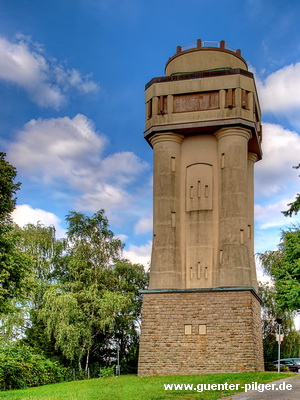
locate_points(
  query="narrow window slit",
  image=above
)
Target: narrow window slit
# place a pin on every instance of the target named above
(242, 236)
(199, 189)
(223, 160)
(173, 219)
(249, 232)
(173, 164)
(221, 256)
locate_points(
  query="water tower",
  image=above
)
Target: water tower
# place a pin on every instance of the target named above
(201, 313)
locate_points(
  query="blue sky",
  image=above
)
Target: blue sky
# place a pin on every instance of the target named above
(72, 77)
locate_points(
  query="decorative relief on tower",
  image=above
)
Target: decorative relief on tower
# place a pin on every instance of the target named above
(199, 261)
(199, 187)
(196, 102)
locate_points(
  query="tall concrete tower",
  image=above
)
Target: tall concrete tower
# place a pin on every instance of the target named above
(201, 313)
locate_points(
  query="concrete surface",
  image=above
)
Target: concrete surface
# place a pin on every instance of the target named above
(275, 394)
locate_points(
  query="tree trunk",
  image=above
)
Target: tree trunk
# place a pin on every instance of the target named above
(87, 362)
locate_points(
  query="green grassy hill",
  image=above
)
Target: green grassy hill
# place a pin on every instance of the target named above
(131, 387)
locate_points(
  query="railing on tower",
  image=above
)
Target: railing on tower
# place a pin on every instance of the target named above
(206, 43)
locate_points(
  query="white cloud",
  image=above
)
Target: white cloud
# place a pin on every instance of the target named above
(121, 167)
(261, 276)
(122, 237)
(104, 196)
(57, 148)
(270, 215)
(25, 64)
(279, 92)
(68, 152)
(275, 172)
(276, 184)
(25, 214)
(144, 225)
(139, 254)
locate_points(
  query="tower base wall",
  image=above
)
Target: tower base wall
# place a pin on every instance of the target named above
(199, 332)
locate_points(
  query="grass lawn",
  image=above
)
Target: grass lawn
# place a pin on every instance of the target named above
(131, 387)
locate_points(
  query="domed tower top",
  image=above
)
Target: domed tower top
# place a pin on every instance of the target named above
(204, 56)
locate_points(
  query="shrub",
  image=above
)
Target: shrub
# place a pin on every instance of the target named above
(20, 367)
(106, 372)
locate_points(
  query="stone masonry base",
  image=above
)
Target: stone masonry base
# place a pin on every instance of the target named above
(197, 332)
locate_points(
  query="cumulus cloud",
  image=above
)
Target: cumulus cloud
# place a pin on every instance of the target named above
(276, 184)
(25, 214)
(104, 196)
(279, 92)
(46, 81)
(122, 237)
(270, 215)
(144, 225)
(261, 276)
(281, 148)
(139, 254)
(58, 148)
(69, 153)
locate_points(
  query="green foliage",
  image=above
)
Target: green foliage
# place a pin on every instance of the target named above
(15, 270)
(128, 278)
(283, 265)
(93, 244)
(82, 300)
(8, 187)
(48, 256)
(15, 266)
(20, 367)
(40, 243)
(96, 298)
(73, 319)
(13, 324)
(270, 312)
(106, 372)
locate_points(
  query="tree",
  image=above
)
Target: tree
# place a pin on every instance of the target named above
(8, 188)
(75, 318)
(270, 312)
(15, 266)
(84, 303)
(47, 254)
(295, 205)
(84, 299)
(283, 265)
(48, 257)
(128, 278)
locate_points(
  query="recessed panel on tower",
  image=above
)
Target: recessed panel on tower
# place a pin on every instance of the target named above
(199, 187)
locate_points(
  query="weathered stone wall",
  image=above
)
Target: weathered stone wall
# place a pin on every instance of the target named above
(225, 333)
